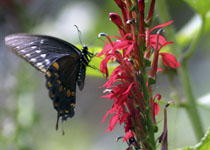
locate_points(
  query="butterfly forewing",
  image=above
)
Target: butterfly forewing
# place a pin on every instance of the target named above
(40, 51)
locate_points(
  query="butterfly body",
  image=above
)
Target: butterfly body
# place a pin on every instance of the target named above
(64, 66)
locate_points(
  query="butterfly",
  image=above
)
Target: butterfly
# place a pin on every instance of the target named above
(63, 64)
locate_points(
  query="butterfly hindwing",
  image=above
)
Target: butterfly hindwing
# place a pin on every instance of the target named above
(61, 82)
(39, 50)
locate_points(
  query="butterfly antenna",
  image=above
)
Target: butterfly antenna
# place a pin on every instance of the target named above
(79, 34)
(95, 68)
(99, 37)
(92, 41)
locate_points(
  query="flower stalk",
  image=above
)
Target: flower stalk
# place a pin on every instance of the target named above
(136, 51)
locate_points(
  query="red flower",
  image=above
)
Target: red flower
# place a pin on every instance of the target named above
(156, 105)
(116, 19)
(129, 84)
(157, 41)
(169, 60)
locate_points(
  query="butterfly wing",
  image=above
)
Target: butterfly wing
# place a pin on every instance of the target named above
(59, 60)
(39, 50)
(61, 82)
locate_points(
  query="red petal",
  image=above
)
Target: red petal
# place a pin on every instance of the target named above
(129, 50)
(113, 122)
(169, 60)
(111, 111)
(161, 25)
(103, 65)
(157, 96)
(166, 43)
(160, 69)
(128, 89)
(157, 108)
(124, 117)
(127, 136)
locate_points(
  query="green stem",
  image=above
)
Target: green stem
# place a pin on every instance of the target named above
(149, 142)
(183, 72)
(191, 108)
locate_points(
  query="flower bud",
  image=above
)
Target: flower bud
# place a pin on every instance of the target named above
(116, 19)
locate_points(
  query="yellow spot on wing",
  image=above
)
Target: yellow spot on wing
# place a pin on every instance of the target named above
(55, 65)
(56, 74)
(58, 81)
(72, 105)
(60, 88)
(52, 95)
(72, 94)
(48, 74)
(56, 105)
(68, 93)
(49, 84)
(43, 70)
(66, 111)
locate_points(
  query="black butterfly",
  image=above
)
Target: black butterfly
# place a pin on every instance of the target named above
(64, 66)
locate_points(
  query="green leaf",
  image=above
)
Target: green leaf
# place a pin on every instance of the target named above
(200, 6)
(203, 145)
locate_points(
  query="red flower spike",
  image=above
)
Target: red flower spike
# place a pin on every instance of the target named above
(116, 19)
(169, 60)
(127, 82)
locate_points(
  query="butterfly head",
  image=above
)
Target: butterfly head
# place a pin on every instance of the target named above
(86, 55)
